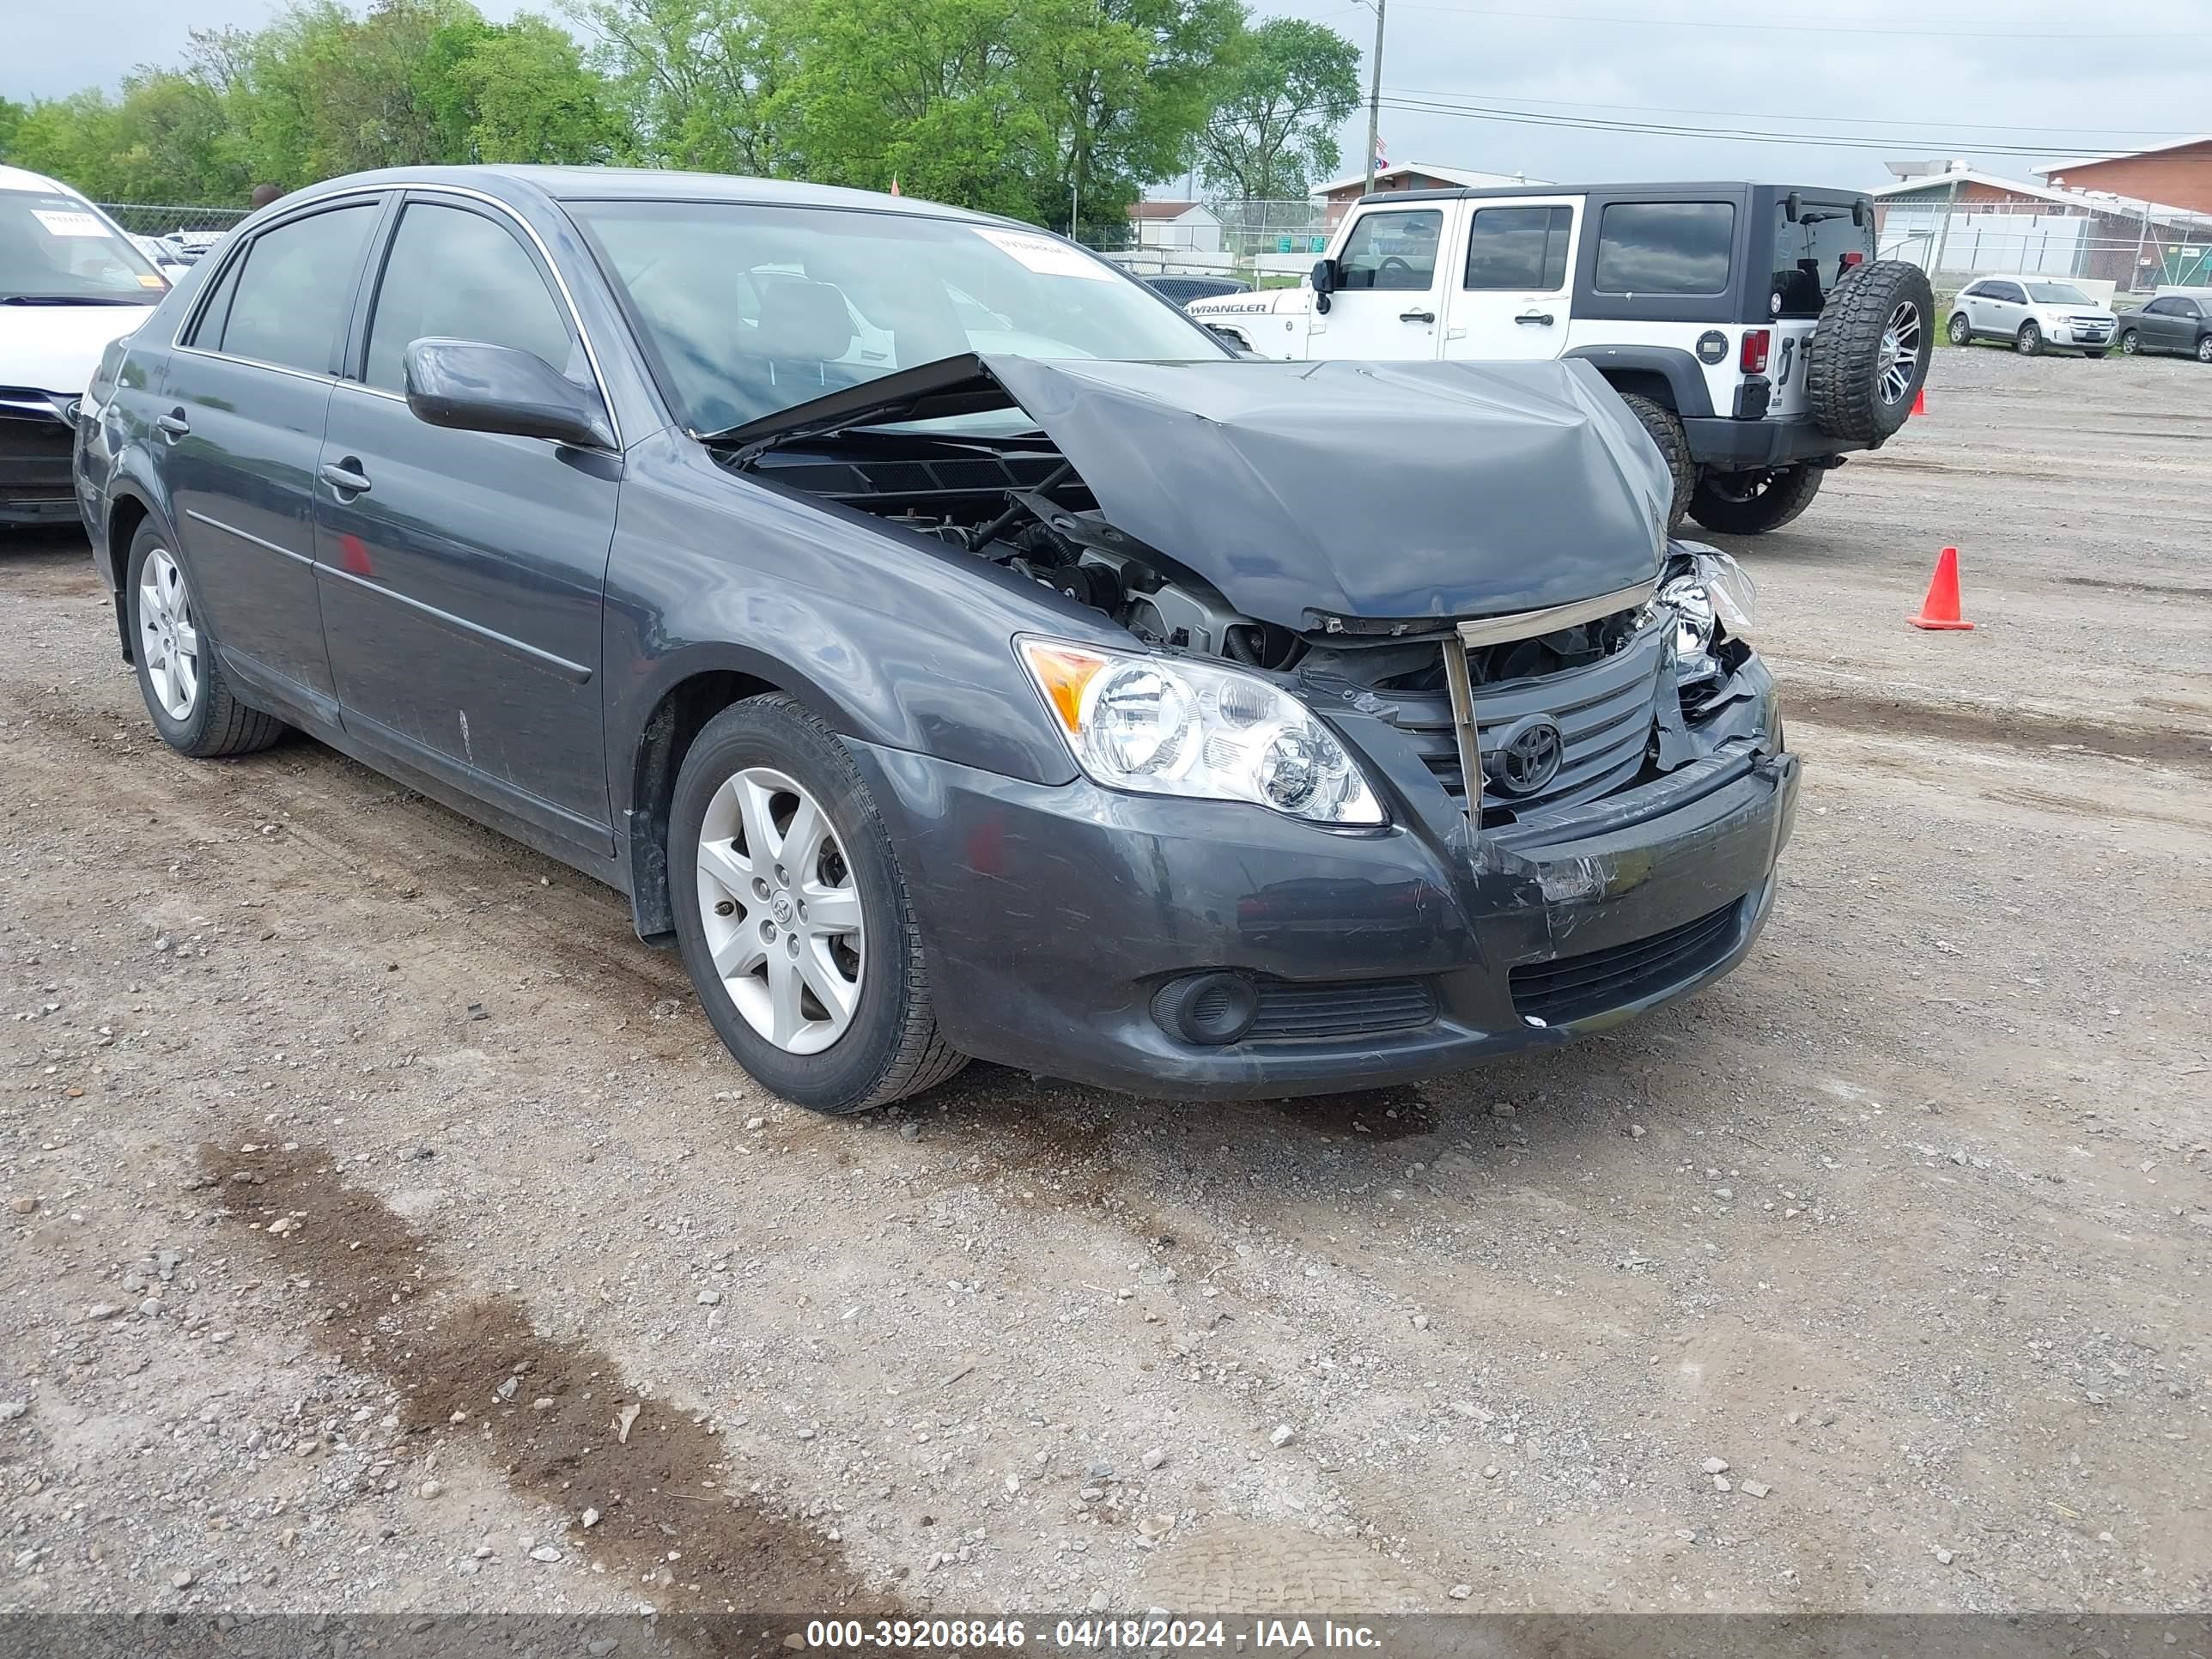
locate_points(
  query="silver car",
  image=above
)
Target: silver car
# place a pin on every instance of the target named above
(2032, 314)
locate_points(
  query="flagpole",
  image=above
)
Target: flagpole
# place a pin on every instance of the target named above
(1374, 99)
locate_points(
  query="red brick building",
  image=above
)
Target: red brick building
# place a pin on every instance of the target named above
(2179, 173)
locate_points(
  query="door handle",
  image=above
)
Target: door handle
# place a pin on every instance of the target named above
(173, 425)
(1536, 318)
(345, 477)
(1417, 316)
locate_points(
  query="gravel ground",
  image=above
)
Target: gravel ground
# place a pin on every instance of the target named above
(387, 1231)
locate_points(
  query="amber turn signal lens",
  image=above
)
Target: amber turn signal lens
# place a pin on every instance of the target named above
(1063, 672)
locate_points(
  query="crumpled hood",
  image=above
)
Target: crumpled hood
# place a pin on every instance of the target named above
(1375, 490)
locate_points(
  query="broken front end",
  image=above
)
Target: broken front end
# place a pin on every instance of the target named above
(1524, 773)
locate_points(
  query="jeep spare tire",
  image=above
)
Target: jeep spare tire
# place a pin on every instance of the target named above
(1869, 356)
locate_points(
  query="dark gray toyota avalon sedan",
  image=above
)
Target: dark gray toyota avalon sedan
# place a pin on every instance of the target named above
(943, 641)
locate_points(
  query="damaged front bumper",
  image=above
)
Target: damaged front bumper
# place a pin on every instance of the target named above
(1065, 922)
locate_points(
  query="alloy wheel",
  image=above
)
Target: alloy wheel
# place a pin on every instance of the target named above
(1900, 352)
(2129, 344)
(1961, 330)
(169, 637)
(780, 912)
(2030, 340)
(2204, 349)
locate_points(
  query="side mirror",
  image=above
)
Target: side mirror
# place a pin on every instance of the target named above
(1324, 283)
(488, 388)
(1793, 207)
(1862, 213)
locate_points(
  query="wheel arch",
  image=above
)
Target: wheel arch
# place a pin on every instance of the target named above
(1666, 375)
(129, 508)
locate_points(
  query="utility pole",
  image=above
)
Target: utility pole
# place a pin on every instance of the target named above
(1374, 99)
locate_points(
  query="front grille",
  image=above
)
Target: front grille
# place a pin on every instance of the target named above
(1604, 712)
(1339, 1008)
(34, 449)
(1568, 988)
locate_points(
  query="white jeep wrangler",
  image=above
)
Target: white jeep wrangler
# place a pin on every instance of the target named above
(1749, 327)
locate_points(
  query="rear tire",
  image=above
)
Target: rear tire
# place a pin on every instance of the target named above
(869, 1036)
(1869, 354)
(179, 667)
(1666, 429)
(2029, 340)
(1961, 331)
(1754, 503)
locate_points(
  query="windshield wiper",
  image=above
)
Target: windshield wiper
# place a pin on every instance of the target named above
(71, 300)
(959, 384)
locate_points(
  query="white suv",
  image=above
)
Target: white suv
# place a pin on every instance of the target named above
(2032, 314)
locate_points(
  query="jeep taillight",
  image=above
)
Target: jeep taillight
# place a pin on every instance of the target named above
(1752, 359)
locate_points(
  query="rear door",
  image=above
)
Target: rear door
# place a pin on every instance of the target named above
(241, 410)
(1389, 300)
(1515, 284)
(2003, 308)
(462, 572)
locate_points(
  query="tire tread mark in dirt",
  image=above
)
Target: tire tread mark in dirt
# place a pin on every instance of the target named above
(1964, 723)
(389, 1307)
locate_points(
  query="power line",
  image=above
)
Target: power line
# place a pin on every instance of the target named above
(1770, 115)
(1732, 24)
(1667, 129)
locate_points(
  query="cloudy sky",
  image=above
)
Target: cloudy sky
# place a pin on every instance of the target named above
(1511, 85)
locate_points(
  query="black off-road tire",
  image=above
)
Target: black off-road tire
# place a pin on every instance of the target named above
(218, 724)
(892, 1048)
(1845, 377)
(1666, 429)
(1752, 503)
(1960, 329)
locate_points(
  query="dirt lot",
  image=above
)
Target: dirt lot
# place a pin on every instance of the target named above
(388, 1231)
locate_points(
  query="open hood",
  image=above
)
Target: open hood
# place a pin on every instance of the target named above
(1312, 491)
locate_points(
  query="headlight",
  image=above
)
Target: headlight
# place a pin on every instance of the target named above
(1708, 591)
(1693, 608)
(1161, 726)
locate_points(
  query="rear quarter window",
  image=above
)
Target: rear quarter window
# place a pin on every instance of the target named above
(1664, 247)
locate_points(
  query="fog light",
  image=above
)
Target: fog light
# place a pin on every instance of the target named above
(1208, 1008)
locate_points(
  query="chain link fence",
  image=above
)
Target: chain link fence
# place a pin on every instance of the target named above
(2134, 246)
(150, 219)
(1253, 241)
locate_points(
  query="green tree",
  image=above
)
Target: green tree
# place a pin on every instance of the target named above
(11, 118)
(533, 99)
(701, 81)
(1286, 92)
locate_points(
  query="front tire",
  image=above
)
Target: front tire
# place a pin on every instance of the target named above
(2204, 349)
(2130, 344)
(1666, 429)
(1754, 503)
(2095, 357)
(2029, 340)
(1961, 331)
(179, 669)
(793, 916)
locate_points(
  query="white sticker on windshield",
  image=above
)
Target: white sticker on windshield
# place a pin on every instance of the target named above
(62, 223)
(1044, 255)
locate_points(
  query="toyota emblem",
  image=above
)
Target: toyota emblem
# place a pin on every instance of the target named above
(1527, 756)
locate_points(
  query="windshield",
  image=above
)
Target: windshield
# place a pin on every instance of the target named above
(54, 249)
(2057, 294)
(751, 310)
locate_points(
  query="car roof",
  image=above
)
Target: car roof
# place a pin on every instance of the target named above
(1729, 186)
(23, 178)
(578, 184)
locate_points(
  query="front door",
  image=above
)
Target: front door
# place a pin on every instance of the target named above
(241, 410)
(462, 572)
(1515, 285)
(1390, 299)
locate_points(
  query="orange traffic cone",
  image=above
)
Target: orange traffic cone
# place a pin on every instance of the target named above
(1940, 610)
(1920, 401)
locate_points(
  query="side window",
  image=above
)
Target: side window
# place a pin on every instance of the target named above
(2010, 293)
(207, 333)
(1665, 247)
(458, 274)
(1395, 250)
(295, 288)
(1519, 247)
